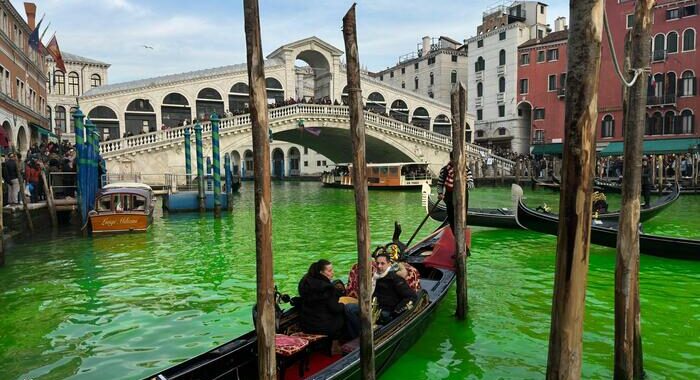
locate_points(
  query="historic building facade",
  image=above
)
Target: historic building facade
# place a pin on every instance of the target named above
(493, 70)
(22, 82)
(672, 100)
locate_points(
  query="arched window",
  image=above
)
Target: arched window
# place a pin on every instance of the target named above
(688, 84)
(502, 131)
(73, 84)
(479, 65)
(453, 77)
(689, 40)
(659, 43)
(502, 84)
(59, 80)
(669, 123)
(671, 85)
(687, 121)
(60, 118)
(658, 84)
(421, 118)
(415, 82)
(479, 90)
(657, 123)
(376, 103)
(95, 80)
(71, 121)
(274, 90)
(672, 42)
(48, 112)
(502, 57)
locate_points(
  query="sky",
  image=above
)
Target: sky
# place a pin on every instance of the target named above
(200, 34)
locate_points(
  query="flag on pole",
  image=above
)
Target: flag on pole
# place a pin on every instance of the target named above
(34, 39)
(55, 52)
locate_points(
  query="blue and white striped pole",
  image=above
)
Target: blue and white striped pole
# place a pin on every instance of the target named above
(217, 164)
(200, 166)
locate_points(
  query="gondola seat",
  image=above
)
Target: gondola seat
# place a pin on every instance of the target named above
(352, 289)
(412, 277)
(289, 350)
(316, 341)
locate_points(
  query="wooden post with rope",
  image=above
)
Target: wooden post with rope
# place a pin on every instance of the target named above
(566, 334)
(628, 347)
(359, 180)
(459, 106)
(265, 318)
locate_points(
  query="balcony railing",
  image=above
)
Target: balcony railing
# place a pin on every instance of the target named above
(538, 140)
(561, 92)
(501, 97)
(479, 75)
(501, 69)
(479, 101)
(658, 55)
(669, 99)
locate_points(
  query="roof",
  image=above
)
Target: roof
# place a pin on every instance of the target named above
(551, 37)
(174, 78)
(70, 57)
(448, 39)
(119, 185)
(661, 146)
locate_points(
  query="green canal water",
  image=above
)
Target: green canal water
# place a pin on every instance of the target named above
(122, 307)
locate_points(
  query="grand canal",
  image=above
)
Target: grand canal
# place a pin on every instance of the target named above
(121, 307)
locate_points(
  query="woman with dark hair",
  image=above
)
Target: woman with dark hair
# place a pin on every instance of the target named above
(321, 313)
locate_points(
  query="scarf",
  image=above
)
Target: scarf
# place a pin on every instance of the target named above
(376, 276)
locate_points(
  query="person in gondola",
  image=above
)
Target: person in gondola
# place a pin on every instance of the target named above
(445, 186)
(393, 293)
(321, 313)
(646, 182)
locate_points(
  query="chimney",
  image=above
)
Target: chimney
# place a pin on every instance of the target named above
(30, 9)
(426, 45)
(560, 24)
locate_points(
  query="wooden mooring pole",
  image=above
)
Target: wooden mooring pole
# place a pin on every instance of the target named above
(565, 339)
(2, 227)
(459, 106)
(359, 179)
(48, 192)
(628, 340)
(25, 198)
(265, 318)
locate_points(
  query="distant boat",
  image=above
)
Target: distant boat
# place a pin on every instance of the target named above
(505, 217)
(389, 176)
(122, 207)
(605, 233)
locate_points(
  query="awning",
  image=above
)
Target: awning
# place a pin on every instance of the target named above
(555, 148)
(663, 146)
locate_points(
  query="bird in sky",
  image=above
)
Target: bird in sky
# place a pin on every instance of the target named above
(147, 47)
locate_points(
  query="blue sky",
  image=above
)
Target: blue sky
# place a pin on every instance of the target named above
(192, 35)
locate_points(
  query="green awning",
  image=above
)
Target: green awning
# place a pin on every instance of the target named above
(548, 149)
(654, 146)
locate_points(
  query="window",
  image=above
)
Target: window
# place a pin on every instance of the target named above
(60, 118)
(689, 40)
(687, 121)
(540, 33)
(539, 114)
(454, 58)
(71, 120)
(432, 79)
(391, 74)
(501, 57)
(525, 59)
(479, 65)
(415, 65)
(552, 54)
(306, 150)
(673, 14)
(59, 80)
(501, 84)
(95, 80)
(630, 20)
(318, 163)
(431, 60)
(501, 110)
(415, 82)
(690, 10)
(672, 42)
(523, 86)
(607, 128)
(73, 84)
(431, 94)
(403, 84)
(403, 70)
(539, 136)
(381, 77)
(540, 56)
(502, 35)
(480, 133)
(306, 163)
(688, 85)
(453, 76)
(552, 83)
(541, 9)
(562, 81)
(479, 90)
(479, 114)
(480, 43)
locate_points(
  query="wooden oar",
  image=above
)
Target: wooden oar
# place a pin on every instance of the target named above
(422, 223)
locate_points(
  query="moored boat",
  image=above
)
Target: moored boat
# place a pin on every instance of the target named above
(389, 176)
(122, 207)
(505, 217)
(605, 233)
(237, 358)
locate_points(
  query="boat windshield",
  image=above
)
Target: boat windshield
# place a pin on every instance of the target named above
(139, 203)
(104, 204)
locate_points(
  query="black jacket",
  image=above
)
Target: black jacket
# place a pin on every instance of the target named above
(10, 171)
(393, 292)
(646, 176)
(321, 313)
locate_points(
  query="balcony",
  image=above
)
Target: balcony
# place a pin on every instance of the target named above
(479, 75)
(561, 92)
(479, 101)
(658, 56)
(501, 69)
(501, 98)
(538, 140)
(662, 100)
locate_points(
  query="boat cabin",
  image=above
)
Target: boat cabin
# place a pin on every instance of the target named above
(122, 207)
(382, 176)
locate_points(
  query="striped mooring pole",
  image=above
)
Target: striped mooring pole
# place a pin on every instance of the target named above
(188, 156)
(229, 181)
(217, 164)
(200, 166)
(79, 157)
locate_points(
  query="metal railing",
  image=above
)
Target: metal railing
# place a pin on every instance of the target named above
(63, 184)
(668, 99)
(658, 55)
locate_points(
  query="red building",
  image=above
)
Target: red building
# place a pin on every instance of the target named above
(672, 101)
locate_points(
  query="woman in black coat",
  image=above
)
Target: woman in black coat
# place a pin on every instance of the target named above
(321, 313)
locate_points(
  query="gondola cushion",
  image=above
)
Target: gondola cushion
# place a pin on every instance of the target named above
(412, 277)
(352, 289)
(286, 345)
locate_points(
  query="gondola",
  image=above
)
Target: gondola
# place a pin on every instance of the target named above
(505, 218)
(605, 233)
(237, 358)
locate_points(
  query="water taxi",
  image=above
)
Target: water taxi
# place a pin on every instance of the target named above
(122, 207)
(388, 176)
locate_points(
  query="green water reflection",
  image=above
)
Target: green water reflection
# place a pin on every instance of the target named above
(124, 306)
